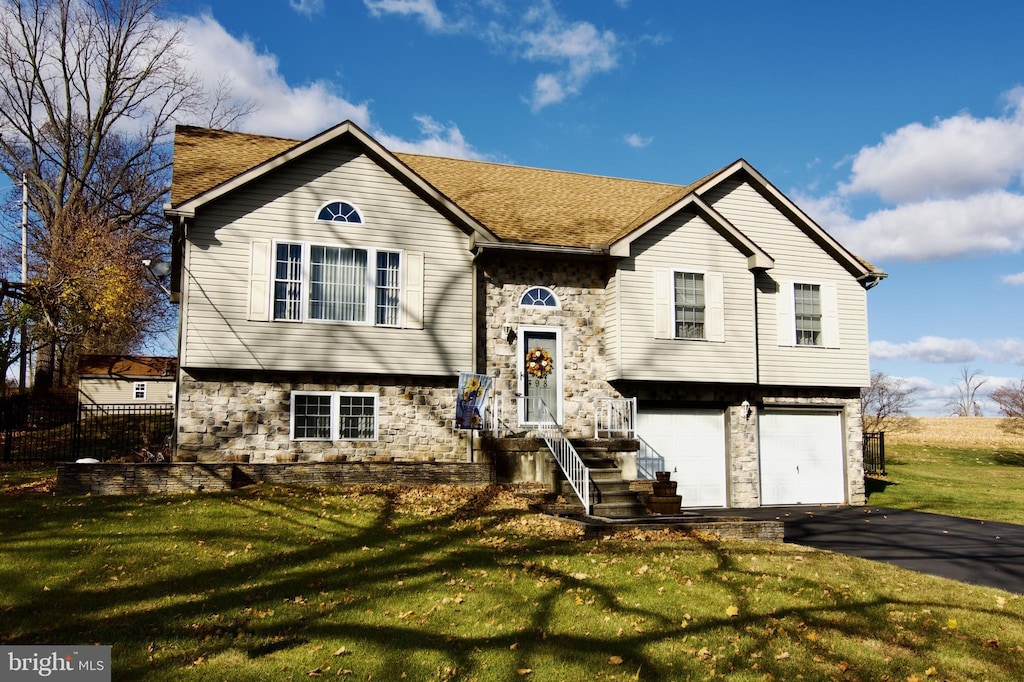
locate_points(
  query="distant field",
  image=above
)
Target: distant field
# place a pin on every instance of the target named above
(956, 431)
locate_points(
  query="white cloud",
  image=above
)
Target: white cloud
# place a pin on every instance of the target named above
(1016, 280)
(954, 187)
(580, 48)
(436, 139)
(937, 349)
(425, 10)
(284, 110)
(309, 8)
(934, 229)
(955, 157)
(637, 141)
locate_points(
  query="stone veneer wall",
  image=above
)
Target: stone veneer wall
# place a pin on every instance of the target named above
(580, 287)
(129, 479)
(232, 416)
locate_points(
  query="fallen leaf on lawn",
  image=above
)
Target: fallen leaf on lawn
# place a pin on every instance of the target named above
(615, 660)
(406, 614)
(951, 623)
(1000, 602)
(931, 672)
(524, 671)
(732, 611)
(991, 644)
(341, 652)
(513, 646)
(783, 656)
(684, 624)
(844, 666)
(813, 636)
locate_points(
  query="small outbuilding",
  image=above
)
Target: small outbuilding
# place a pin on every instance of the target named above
(126, 380)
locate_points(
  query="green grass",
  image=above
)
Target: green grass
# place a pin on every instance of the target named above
(441, 583)
(979, 483)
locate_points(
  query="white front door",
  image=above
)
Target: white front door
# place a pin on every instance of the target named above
(540, 373)
(693, 445)
(801, 458)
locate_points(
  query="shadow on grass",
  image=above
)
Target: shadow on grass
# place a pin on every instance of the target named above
(874, 485)
(1008, 458)
(293, 568)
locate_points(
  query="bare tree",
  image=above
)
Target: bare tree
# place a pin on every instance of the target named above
(1011, 405)
(89, 94)
(966, 403)
(886, 403)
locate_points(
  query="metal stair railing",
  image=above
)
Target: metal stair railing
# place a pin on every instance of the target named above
(648, 460)
(576, 472)
(614, 415)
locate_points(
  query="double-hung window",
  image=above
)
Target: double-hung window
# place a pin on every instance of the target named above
(689, 305)
(807, 314)
(336, 284)
(139, 390)
(322, 415)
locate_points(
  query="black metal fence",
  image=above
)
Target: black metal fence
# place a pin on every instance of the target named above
(53, 431)
(874, 453)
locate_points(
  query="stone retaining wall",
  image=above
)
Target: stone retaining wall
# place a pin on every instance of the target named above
(180, 477)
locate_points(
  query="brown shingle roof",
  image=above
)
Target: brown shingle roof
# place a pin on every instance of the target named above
(126, 366)
(518, 204)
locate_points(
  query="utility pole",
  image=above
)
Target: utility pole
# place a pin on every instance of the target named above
(23, 364)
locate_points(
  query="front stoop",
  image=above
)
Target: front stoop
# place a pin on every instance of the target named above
(611, 496)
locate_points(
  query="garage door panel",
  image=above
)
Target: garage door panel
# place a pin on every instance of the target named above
(801, 456)
(693, 445)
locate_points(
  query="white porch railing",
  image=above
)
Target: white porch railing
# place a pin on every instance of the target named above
(615, 417)
(565, 454)
(648, 460)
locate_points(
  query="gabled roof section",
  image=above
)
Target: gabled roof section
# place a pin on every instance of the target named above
(502, 205)
(217, 187)
(866, 273)
(127, 367)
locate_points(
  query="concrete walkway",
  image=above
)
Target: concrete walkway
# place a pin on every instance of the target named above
(972, 551)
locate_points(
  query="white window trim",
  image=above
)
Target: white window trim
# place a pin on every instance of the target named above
(371, 283)
(665, 304)
(786, 313)
(335, 417)
(362, 216)
(135, 390)
(556, 306)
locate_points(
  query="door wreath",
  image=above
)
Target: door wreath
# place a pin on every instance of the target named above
(539, 364)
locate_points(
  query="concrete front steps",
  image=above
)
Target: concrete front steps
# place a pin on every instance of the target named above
(610, 496)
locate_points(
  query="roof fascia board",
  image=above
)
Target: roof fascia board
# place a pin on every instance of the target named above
(772, 194)
(391, 163)
(757, 258)
(540, 248)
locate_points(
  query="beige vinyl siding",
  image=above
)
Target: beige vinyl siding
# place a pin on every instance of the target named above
(107, 391)
(282, 205)
(612, 327)
(798, 258)
(688, 243)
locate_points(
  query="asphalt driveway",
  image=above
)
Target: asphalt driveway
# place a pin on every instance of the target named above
(972, 551)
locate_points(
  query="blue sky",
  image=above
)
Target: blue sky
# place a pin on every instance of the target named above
(899, 126)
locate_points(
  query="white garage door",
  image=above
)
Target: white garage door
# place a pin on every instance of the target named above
(801, 458)
(693, 445)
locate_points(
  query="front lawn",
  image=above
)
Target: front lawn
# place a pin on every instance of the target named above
(974, 482)
(441, 583)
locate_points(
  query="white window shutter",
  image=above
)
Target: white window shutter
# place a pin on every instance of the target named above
(259, 280)
(662, 304)
(830, 315)
(785, 313)
(412, 290)
(714, 308)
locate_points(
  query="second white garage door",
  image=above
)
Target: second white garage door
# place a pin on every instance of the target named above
(801, 458)
(693, 445)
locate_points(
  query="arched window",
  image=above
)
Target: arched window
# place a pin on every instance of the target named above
(340, 212)
(539, 297)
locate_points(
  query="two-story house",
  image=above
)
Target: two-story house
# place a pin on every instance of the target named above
(331, 291)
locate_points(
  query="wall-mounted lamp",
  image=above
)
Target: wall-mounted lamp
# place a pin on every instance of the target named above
(747, 409)
(158, 270)
(509, 332)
